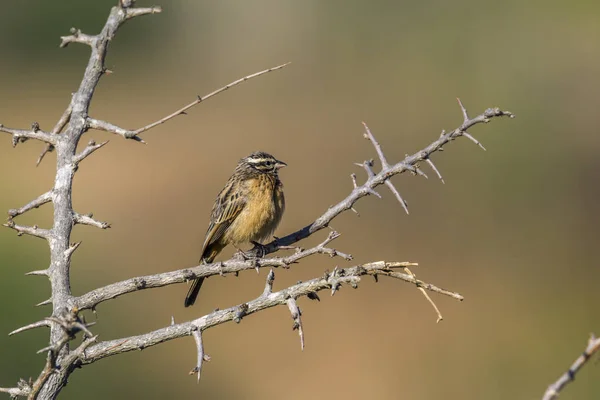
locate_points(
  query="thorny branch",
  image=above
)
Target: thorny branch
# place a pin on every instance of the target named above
(554, 389)
(65, 323)
(64, 138)
(410, 163)
(329, 281)
(93, 298)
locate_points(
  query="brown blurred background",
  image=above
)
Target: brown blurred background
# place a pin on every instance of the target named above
(514, 229)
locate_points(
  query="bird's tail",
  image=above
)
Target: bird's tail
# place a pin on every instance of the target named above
(208, 255)
(193, 292)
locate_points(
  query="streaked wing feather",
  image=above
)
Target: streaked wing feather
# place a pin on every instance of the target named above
(226, 209)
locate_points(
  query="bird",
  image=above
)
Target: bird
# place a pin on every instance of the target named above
(247, 210)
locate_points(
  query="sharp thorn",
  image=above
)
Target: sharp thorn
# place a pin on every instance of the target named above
(45, 302)
(43, 272)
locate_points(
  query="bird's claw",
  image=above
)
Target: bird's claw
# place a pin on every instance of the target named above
(259, 249)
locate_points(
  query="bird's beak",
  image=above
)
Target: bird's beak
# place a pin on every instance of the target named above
(280, 164)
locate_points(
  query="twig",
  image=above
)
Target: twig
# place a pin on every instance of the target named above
(297, 317)
(201, 355)
(77, 37)
(21, 135)
(139, 11)
(97, 124)
(90, 148)
(269, 283)
(200, 99)
(88, 220)
(368, 135)
(41, 200)
(554, 389)
(28, 230)
(439, 315)
(16, 391)
(64, 119)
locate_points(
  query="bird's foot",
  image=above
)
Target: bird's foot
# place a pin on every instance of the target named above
(259, 249)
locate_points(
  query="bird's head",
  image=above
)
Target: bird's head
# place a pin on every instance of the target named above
(263, 162)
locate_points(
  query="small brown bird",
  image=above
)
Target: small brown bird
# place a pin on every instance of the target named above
(247, 210)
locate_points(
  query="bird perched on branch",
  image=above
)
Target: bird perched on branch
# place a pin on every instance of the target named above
(247, 210)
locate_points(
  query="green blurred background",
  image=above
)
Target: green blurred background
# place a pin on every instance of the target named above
(514, 229)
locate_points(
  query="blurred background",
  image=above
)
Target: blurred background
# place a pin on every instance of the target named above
(514, 229)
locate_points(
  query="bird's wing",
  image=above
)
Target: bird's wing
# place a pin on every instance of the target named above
(225, 210)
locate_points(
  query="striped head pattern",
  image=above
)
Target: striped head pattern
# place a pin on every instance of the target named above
(262, 162)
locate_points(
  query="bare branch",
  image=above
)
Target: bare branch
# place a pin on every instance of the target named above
(439, 315)
(201, 355)
(65, 322)
(28, 230)
(463, 110)
(41, 200)
(374, 180)
(88, 220)
(139, 11)
(60, 125)
(296, 316)
(554, 389)
(90, 148)
(69, 251)
(50, 384)
(427, 286)
(338, 277)
(22, 135)
(199, 100)
(354, 184)
(63, 369)
(369, 136)
(16, 392)
(269, 284)
(108, 127)
(97, 296)
(64, 118)
(77, 36)
(129, 134)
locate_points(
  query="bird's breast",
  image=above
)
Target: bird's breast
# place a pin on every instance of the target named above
(262, 213)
